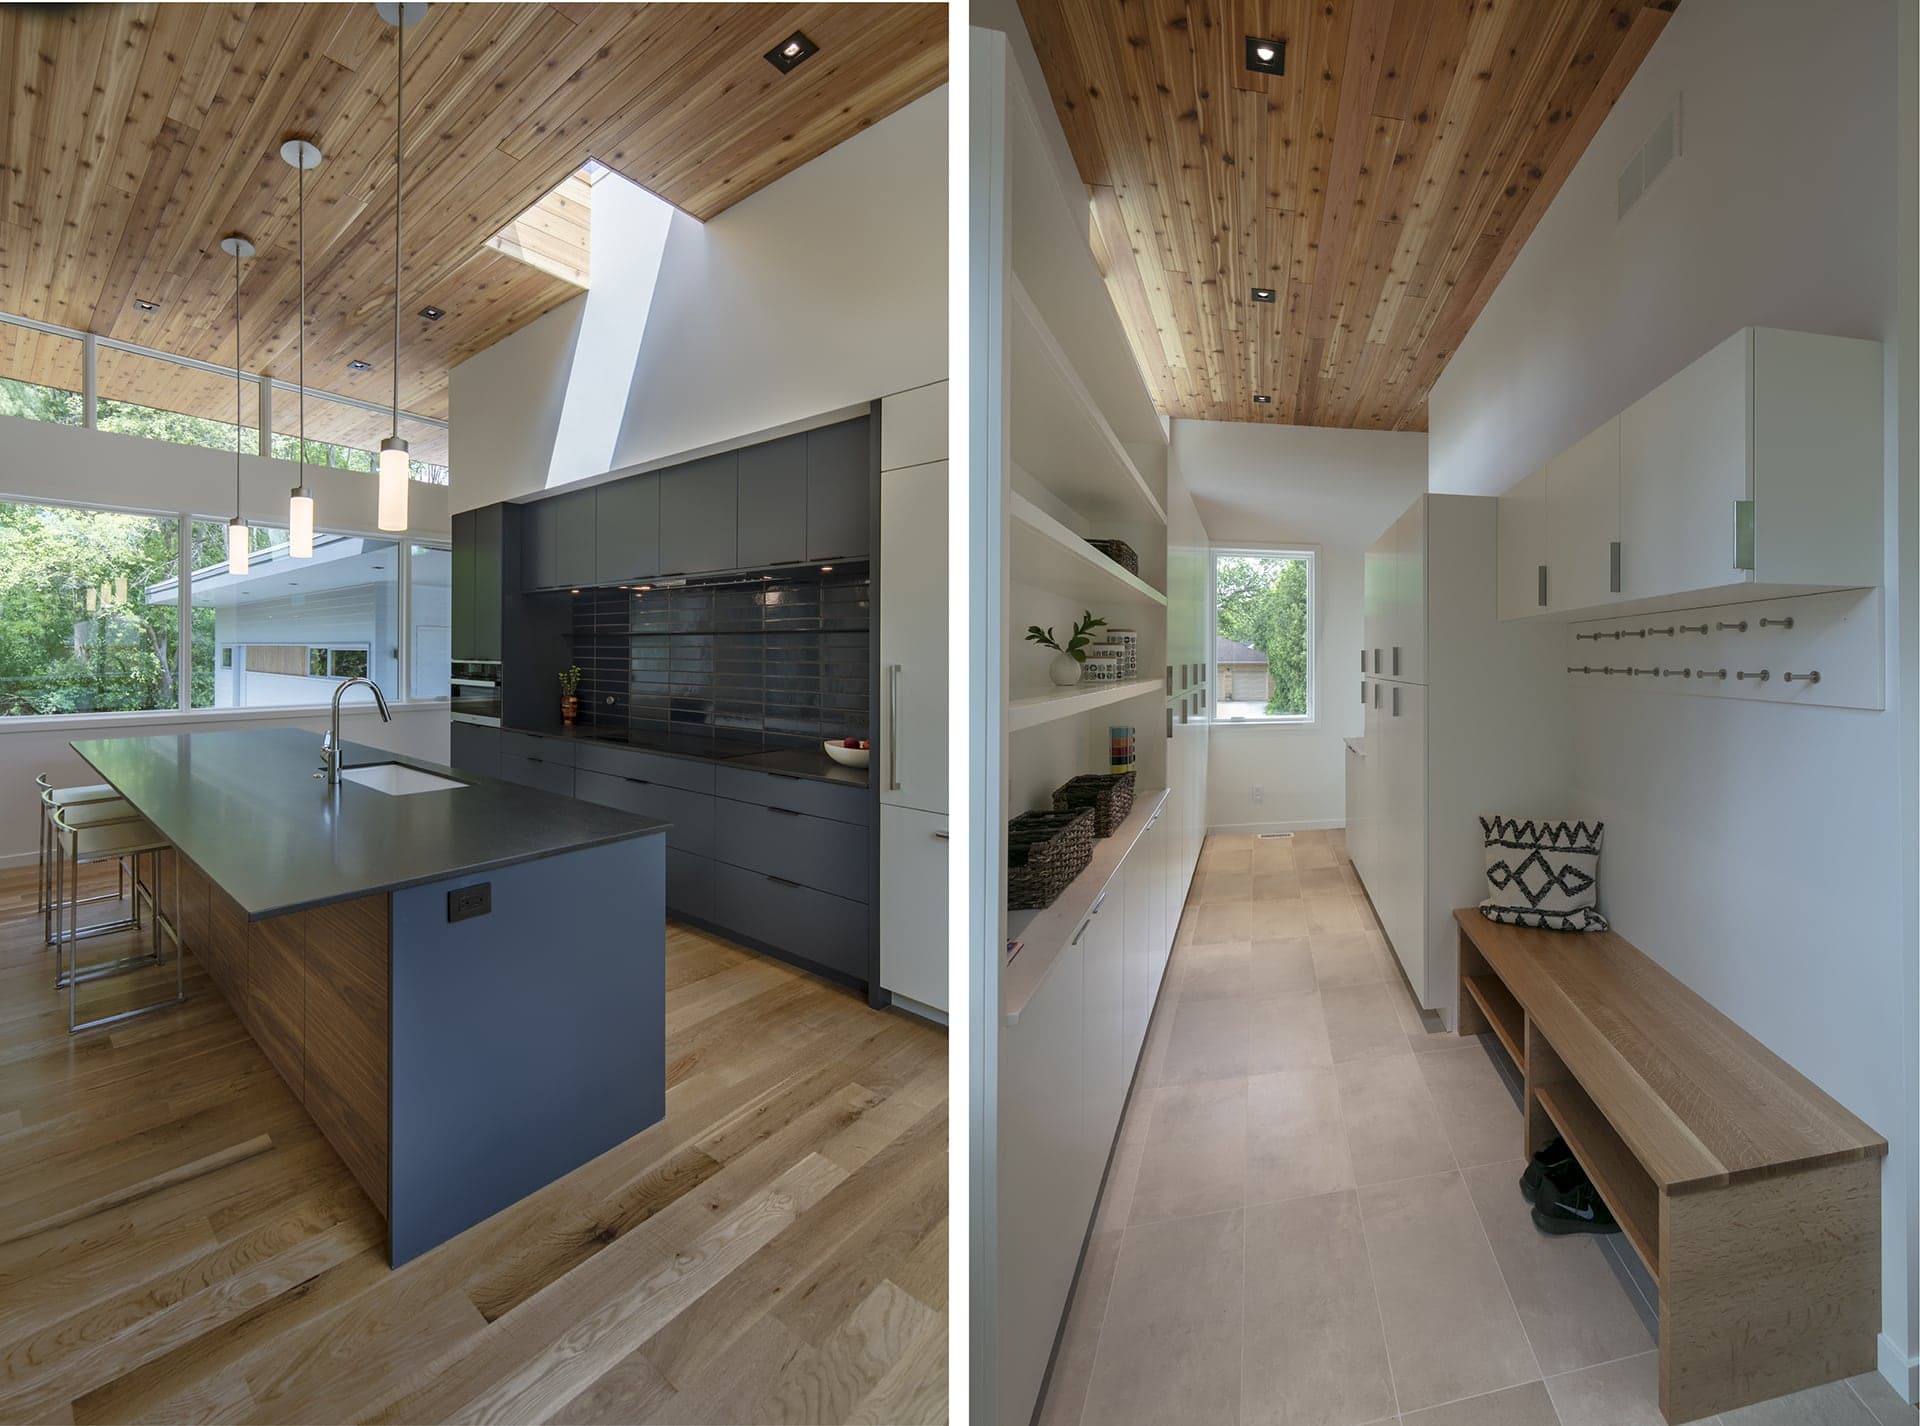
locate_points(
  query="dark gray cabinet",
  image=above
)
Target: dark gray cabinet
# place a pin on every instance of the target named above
(539, 544)
(699, 516)
(557, 542)
(474, 749)
(773, 503)
(533, 772)
(806, 851)
(839, 491)
(691, 813)
(478, 586)
(828, 930)
(464, 597)
(627, 530)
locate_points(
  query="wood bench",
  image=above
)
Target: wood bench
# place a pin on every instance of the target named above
(1752, 1197)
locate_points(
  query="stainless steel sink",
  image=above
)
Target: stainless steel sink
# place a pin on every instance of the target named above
(397, 779)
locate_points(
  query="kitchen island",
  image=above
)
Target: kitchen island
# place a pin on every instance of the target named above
(463, 980)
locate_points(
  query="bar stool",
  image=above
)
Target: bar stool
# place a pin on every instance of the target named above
(50, 798)
(78, 845)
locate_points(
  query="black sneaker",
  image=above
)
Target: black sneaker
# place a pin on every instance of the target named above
(1555, 1162)
(1577, 1208)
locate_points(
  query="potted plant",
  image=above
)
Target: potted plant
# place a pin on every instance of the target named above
(1068, 660)
(570, 695)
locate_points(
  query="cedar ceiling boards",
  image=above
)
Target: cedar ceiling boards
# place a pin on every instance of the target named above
(136, 136)
(1382, 185)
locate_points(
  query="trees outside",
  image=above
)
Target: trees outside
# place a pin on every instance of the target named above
(1262, 602)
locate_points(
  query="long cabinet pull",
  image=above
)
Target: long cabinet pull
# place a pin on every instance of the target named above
(1396, 661)
(1613, 568)
(893, 727)
(1396, 700)
(940, 836)
(1543, 586)
(1094, 910)
(1081, 932)
(786, 812)
(783, 881)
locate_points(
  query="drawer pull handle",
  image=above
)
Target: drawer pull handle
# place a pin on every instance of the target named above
(637, 781)
(782, 881)
(1081, 932)
(940, 836)
(786, 811)
(1094, 910)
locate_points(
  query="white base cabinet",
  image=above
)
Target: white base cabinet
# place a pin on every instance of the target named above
(913, 904)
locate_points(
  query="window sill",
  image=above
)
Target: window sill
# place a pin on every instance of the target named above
(89, 722)
(1294, 725)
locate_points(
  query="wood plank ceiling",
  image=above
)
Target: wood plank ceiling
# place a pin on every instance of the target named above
(136, 136)
(1382, 186)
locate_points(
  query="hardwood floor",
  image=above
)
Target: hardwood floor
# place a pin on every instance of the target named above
(178, 1242)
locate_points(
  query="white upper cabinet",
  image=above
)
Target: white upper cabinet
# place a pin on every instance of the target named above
(1583, 521)
(1407, 643)
(1755, 472)
(1522, 544)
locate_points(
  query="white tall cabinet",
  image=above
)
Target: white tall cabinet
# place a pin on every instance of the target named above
(1463, 716)
(1066, 447)
(910, 753)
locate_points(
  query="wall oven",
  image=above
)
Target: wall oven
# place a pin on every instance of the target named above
(476, 692)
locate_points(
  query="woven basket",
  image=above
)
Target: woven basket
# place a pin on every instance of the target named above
(1045, 852)
(1120, 552)
(1110, 795)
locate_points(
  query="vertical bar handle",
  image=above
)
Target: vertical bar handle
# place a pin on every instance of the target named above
(893, 727)
(1743, 534)
(1396, 700)
(1396, 661)
(1613, 567)
(1543, 586)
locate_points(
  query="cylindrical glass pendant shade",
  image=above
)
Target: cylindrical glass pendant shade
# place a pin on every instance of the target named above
(237, 538)
(393, 483)
(300, 524)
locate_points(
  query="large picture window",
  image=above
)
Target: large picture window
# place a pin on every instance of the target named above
(1263, 603)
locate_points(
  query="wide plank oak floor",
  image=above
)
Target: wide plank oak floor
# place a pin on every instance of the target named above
(177, 1242)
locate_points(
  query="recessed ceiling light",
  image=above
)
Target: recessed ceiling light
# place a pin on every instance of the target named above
(1264, 400)
(146, 306)
(432, 314)
(358, 366)
(791, 51)
(1264, 294)
(576, 591)
(826, 569)
(1266, 56)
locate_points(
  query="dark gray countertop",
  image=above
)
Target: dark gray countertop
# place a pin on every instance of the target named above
(246, 809)
(811, 762)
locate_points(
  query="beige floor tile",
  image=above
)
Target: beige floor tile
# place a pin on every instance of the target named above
(1476, 1108)
(1235, 859)
(1273, 854)
(1208, 1040)
(1284, 966)
(1286, 1032)
(1882, 1400)
(1211, 972)
(1274, 920)
(1451, 1328)
(1212, 888)
(1323, 881)
(1578, 1307)
(1351, 958)
(1392, 1131)
(1221, 921)
(1308, 854)
(1314, 1351)
(1831, 1405)
(1526, 1405)
(1361, 1021)
(1276, 885)
(1296, 1137)
(1336, 912)
(1195, 1157)
(1123, 1174)
(1073, 1359)
(1623, 1393)
(1171, 1346)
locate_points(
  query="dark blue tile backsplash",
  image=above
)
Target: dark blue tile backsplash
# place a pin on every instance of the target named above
(778, 663)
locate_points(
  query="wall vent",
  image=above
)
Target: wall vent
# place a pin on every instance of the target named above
(1651, 160)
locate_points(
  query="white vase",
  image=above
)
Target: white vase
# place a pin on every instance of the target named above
(1065, 670)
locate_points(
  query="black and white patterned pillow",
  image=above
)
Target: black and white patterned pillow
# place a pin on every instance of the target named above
(1543, 873)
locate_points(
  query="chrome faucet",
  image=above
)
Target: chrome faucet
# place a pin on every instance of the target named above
(330, 745)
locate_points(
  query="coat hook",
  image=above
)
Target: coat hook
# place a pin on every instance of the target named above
(1786, 623)
(1677, 672)
(1582, 669)
(1813, 677)
(1633, 633)
(1668, 631)
(1693, 628)
(1595, 637)
(1607, 670)
(1718, 673)
(1739, 628)
(1760, 677)
(1649, 672)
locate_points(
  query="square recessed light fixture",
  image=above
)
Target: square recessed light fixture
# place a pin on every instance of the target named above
(1266, 56)
(359, 366)
(786, 55)
(1263, 400)
(146, 306)
(432, 314)
(1264, 294)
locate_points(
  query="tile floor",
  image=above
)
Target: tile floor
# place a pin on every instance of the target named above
(1312, 1216)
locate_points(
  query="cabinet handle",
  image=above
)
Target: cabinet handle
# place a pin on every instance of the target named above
(1543, 586)
(1376, 695)
(1743, 534)
(1396, 661)
(783, 881)
(893, 727)
(1169, 680)
(1094, 910)
(1396, 701)
(940, 836)
(1169, 722)
(786, 811)
(1613, 568)
(1376, 659)
(1081, 932)
(637, 781)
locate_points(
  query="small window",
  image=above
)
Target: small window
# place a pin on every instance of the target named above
(317, 663)
(1263, 605)
(226, 656)
(349, 663)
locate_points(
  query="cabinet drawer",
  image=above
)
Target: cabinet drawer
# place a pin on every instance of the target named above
(530, 772)
(797, 794)
(690, 812)
(689, 884)
(643, 767)
(534, 746)
(816, 852)
(474, 748)
(827, 930)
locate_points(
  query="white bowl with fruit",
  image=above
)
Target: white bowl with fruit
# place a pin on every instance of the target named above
(849, 752)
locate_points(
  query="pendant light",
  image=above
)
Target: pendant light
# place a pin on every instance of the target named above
(236, 246)
(394, 461)
(301, 155)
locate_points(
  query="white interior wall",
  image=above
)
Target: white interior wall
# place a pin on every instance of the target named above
(818, 294)
(1336, 491)
(1759, 852)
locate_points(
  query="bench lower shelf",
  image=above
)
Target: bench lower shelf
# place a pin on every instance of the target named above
(1626, 1187)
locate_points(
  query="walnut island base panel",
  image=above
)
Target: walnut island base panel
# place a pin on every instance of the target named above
(1752, 1196)
(458, 1051)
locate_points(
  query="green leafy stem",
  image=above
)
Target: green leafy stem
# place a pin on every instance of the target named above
(1076, 646)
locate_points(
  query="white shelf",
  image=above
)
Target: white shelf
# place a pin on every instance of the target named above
(1059, 435)
(1038, 708)
(1049, 556)
(1044, 932)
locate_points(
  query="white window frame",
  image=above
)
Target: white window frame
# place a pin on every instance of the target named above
(1310, 554)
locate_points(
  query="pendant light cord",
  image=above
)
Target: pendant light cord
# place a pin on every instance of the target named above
(399, 120)
(303, 314)
(237, 399)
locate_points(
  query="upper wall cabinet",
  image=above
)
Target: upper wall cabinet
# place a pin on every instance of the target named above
(557, 542)
(840, 491)
(478, 582)
(773, 503)
(699, 516)
(627, 531)
(1755, 472)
